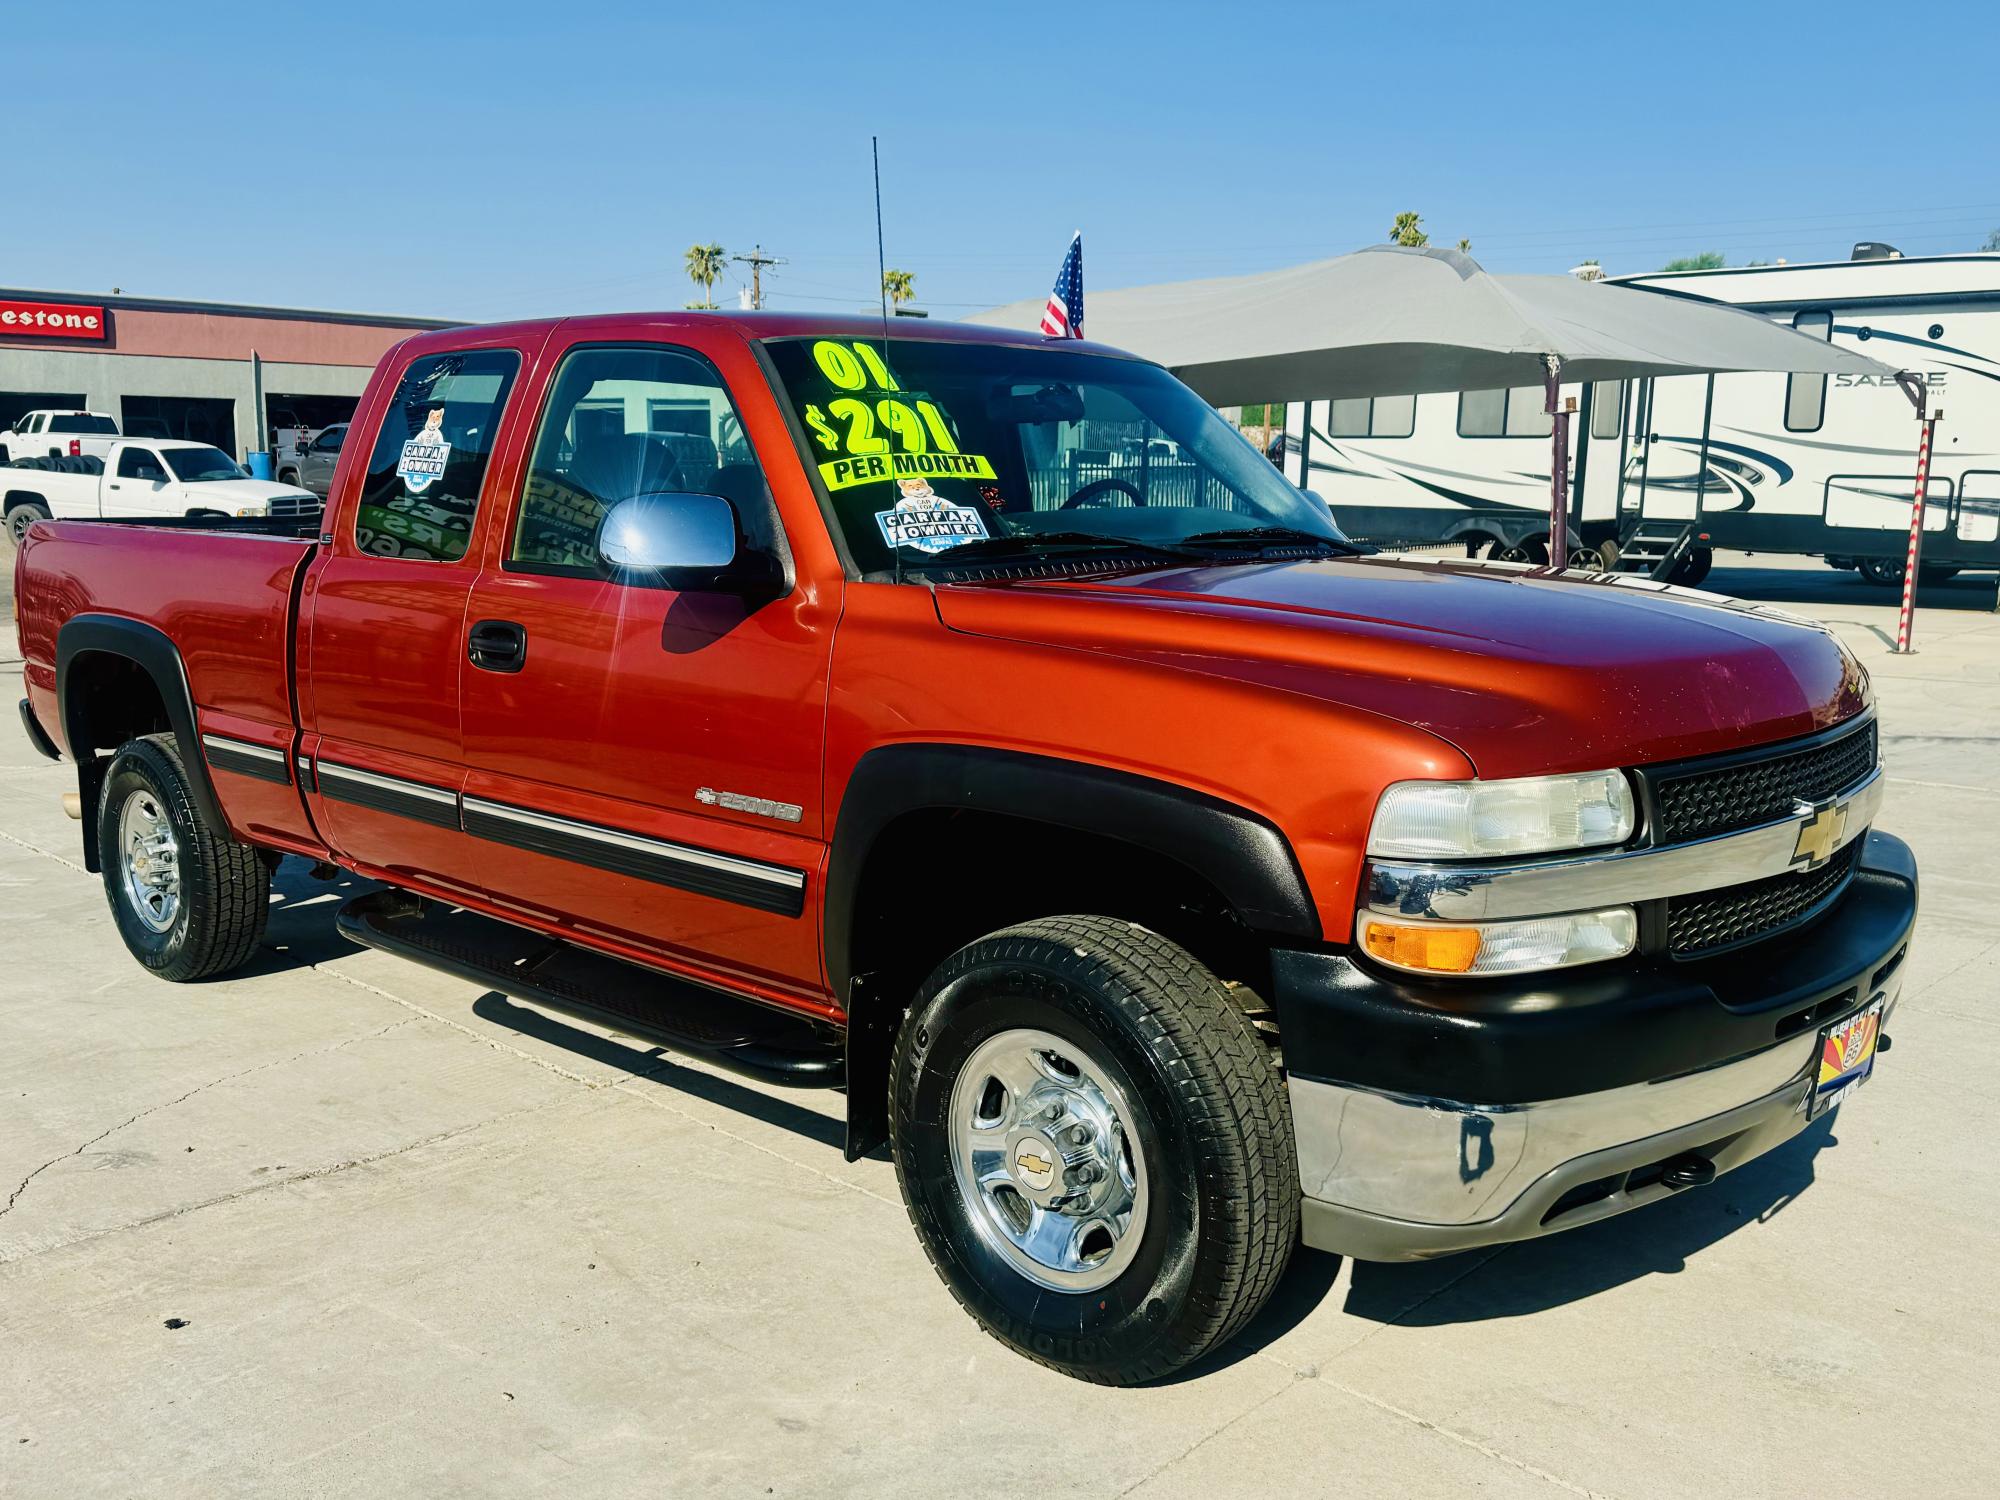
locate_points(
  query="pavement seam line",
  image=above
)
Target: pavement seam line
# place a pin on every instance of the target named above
(1187, 1452)
(1470, 1442)
(310, 1175)
(45, 853)
(15, 1196)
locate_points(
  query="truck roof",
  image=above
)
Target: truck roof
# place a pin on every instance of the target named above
(766, 325)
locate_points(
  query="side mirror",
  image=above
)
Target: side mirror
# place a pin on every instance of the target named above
(685, 539)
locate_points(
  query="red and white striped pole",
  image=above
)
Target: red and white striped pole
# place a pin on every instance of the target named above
(1905, 616)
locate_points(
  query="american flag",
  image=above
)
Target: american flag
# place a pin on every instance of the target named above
(1063, 317)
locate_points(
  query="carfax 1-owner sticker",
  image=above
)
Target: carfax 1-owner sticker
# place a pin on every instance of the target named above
(425, 455)
(927, 521)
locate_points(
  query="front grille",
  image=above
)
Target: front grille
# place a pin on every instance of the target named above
(1736, 914)
(1697, 804)
(297, 505)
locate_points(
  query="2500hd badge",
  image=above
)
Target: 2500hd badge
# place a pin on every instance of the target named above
(1114, 834)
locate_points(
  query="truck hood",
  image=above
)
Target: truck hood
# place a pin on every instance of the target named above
(229, 492)
(1523, 670)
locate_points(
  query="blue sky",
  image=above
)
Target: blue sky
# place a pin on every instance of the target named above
(507, 160)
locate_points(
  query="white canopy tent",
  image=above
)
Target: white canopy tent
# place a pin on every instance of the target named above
(1391, 320)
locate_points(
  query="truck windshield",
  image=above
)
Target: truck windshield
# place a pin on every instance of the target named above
(192, 465)
(84, 422)
(955, 454)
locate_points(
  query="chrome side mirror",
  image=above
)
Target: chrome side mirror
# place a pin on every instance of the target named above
(669, 533)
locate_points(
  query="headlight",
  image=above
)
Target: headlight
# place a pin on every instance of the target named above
(1495, 819)
(261, 508)
(1481, 948)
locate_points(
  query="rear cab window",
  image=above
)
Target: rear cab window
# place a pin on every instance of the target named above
(430, 456)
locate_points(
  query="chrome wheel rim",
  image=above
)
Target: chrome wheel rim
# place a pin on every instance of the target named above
(1042, 1147)
(151, 861)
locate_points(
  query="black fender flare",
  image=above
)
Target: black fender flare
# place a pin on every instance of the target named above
(1243, 855)
(153, 652)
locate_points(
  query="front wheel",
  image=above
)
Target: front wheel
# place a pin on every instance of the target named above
(190, 901)
(1094, 1146)
(20, 517)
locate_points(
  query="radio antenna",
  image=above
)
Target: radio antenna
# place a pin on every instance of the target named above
(882, 285)
(881, 257)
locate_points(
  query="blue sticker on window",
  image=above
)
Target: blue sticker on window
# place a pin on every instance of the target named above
(926, 521)
(425, 455)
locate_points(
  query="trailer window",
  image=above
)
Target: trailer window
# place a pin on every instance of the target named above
(430, 455)
(1516, 412)
(1805, 395)
(1372, 416)
(1607, 408)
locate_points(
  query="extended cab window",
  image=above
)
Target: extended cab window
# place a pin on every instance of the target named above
(625, 421)
(430, 456)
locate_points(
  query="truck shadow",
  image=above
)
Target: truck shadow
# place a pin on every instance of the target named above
(1576, 1264)
(1518, 1280)
(1781, 586)
(657, 1065)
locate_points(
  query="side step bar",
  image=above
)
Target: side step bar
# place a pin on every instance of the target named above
(651, 1006)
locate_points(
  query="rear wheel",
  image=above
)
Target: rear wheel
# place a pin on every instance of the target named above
(189, 900)
(1883, 572)
(21, 515)
(1094, 1146)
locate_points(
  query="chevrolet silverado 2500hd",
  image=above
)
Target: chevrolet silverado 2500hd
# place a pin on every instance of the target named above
(1162, 880)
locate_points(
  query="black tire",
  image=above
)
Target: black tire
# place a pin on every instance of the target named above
(288, 476)
(1209, 1118)
(1691, 569)
(1883, 572)
(224, 887)
(21, 515)
(1932, 573)
(1607, 554)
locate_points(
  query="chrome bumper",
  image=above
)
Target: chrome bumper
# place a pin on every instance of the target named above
(1397, 1177)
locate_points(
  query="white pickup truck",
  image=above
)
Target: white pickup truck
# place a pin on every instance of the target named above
(138, 480)
(47, 433)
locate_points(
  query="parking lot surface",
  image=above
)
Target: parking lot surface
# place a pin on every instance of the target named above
(344, 1226)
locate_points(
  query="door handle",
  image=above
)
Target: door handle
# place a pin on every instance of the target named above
(497, 646)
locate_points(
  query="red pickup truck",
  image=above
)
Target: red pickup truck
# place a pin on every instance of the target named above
(979, 725)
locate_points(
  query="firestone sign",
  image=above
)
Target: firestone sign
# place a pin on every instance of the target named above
(50, 320)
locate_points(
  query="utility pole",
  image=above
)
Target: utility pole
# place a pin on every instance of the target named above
(756, 260)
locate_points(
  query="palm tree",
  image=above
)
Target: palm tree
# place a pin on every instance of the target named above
(1408, 230)
(704, 263)
(900, 285)
(1465, 245)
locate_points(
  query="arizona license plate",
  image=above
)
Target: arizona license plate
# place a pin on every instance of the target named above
(1846, 1057)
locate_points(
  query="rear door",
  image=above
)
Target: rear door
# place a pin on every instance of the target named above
(644, 764)
(386, 613)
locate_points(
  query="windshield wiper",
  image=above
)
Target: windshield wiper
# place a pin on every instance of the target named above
(1283, 535)
(1016, 544)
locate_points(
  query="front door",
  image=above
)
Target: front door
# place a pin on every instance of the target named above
(387, 615)
(644, 763)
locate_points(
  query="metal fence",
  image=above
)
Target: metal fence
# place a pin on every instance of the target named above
(1166, 483)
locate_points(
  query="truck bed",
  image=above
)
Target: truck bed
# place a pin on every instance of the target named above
(222, 592)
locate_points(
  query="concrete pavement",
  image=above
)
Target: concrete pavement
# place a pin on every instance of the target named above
(343, 1226)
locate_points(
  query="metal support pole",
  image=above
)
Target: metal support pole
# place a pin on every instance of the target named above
(1558, 466)
(1906, 617)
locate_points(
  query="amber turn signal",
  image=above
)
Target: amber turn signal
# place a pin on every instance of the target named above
(1441, 950)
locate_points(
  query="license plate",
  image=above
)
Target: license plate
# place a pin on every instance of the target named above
(1846, 1057)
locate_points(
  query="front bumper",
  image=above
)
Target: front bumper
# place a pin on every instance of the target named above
(1437, 1117)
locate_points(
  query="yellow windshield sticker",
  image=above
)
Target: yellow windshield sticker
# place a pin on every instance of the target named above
(870, 468)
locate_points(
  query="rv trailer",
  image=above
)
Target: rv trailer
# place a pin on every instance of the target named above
(1665, 470)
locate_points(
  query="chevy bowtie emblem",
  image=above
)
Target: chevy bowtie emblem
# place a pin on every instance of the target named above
(1819, 834)
(1033, 1163)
